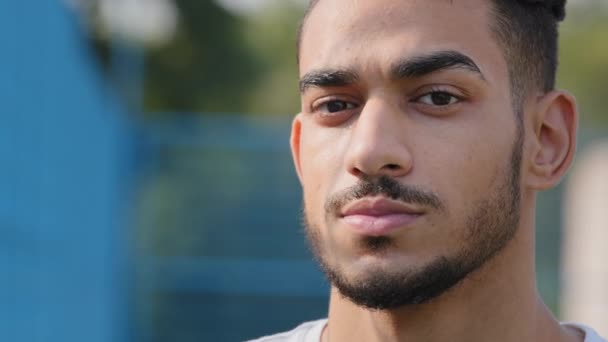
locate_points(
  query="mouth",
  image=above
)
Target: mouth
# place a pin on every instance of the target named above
(378, 216)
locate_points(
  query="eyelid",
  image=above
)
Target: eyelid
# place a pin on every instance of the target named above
(454, 98)
(316, 104)
(332, 119)
(459, 97)
(457, 92)
(440, 88)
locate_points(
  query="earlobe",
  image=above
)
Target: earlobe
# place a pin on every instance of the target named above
(555, 128)
(294, 141)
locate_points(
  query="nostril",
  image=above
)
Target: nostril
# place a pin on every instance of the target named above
(356, 172)
(392, 167)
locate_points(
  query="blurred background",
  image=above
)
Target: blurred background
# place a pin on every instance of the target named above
(147, 188)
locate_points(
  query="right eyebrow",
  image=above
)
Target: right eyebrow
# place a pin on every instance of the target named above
(327, 78)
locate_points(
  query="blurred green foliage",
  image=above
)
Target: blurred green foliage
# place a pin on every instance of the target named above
(207, 66)
(219, 62)
(584, 61)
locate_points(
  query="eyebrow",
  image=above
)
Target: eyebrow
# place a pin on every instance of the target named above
(411, 67)
(327, 78)
(426, 64)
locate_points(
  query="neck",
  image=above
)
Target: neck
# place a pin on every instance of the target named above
(498, 302)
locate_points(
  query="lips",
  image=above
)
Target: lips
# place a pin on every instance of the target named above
(378, 216)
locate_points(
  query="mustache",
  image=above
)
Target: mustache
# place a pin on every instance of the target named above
(385, 186)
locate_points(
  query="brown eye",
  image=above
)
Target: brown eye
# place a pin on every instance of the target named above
(336, 106)
(438, 98)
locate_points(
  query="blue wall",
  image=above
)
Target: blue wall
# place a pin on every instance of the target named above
(63, 170)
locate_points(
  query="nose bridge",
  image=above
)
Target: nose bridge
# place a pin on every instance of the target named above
(377, 145)
(371, 129)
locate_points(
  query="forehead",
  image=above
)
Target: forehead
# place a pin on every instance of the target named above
(345, 33)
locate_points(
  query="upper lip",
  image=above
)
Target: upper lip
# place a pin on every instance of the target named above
(378, 206)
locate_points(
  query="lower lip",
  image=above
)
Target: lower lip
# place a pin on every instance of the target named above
(378, 225)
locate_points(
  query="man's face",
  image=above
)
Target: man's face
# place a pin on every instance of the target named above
(407, 146)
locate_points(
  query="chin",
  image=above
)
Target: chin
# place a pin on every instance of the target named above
(390, 281)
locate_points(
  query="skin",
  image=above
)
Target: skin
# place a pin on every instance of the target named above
(392, 127)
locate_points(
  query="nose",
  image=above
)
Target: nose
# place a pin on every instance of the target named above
(378, 142)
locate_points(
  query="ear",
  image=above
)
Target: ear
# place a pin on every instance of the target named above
(554, 126)
(294, 141)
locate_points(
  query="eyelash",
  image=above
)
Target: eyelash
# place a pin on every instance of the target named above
(350, 105)
(438, 90)
(321, 106)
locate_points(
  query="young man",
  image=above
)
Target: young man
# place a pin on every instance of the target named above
(427, 129)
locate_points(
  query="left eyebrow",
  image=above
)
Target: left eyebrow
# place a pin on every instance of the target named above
(426, 64)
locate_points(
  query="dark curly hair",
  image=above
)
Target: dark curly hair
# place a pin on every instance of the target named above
(526, 31)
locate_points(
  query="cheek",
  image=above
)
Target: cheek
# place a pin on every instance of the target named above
(321, 162)
(464, 164)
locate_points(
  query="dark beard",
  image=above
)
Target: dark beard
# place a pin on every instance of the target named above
(489, 228)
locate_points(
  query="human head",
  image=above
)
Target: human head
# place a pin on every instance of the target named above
(526, 31)
(408, 110)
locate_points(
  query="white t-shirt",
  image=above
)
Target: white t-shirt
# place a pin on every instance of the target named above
(311, 332)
